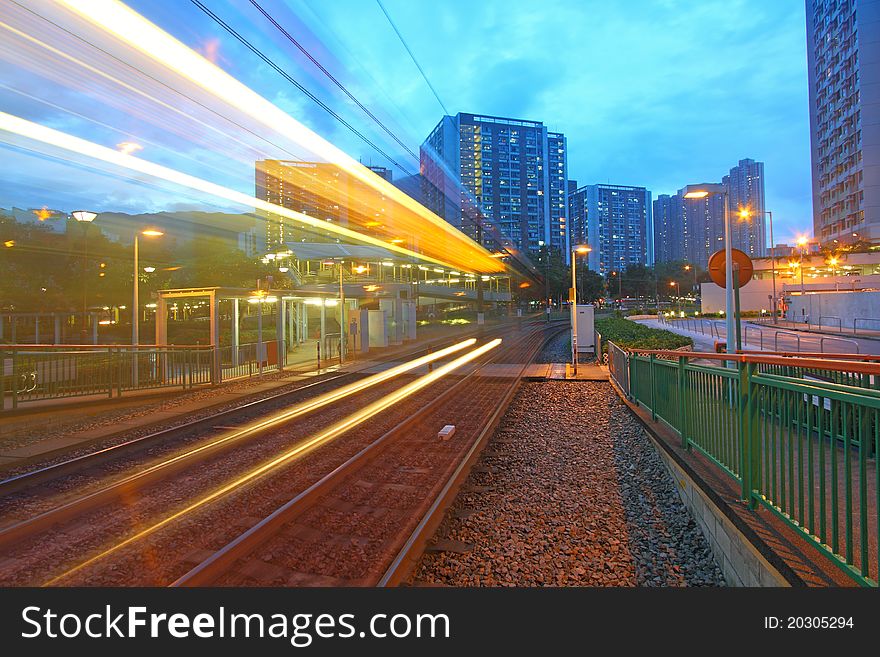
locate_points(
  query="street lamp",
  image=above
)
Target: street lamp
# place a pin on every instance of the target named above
(84, 217)
(802, 243)
(677, 291)
(744, 214)
(574, 253)
(702, 191)
(546, 257)
(689, 268)
(135, 336)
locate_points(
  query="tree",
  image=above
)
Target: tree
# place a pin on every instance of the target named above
(591, 285)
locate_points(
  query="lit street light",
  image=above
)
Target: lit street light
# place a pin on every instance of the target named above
(135, 312)
(702, 191)
(574, 254)
(677, 292)
(84, 217)
(689, 268)
(802, 243)
(744, 214)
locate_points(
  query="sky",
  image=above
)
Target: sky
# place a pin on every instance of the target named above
(656, 93)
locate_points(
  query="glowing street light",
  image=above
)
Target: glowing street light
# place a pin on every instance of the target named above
(677, 292)
(135, 336)
(583, 250)
(702, 191)
(149, 270)
(85, 218)
(744, 214)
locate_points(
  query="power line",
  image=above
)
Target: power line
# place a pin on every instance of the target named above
(299, 86)
(341, 86)
(412, 56)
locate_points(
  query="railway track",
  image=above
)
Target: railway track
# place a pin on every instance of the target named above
(83, 515)
(159, 435)
(367, 521)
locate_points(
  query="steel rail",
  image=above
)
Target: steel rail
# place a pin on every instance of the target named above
(121, 450)
(407, 558)
(219, 563)
(152, 474)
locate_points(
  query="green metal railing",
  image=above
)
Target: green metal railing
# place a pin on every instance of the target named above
(36, 372)
(800, 435)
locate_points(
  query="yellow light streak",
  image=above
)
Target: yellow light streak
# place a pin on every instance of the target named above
(300, 450)
(129, 147)
(139, 33)
(58, 139)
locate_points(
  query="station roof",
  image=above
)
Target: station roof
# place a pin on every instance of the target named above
(321, 251)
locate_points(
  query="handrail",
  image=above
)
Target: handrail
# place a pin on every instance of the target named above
(104, 347)
(856, 321)
(839, 322)
(799, 440)
(815, 354)
(823, 363)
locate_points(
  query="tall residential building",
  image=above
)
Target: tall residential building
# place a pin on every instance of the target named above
(670, 232)
(512, 172)
(703, 220)
(577, 215)
(318, 189)
(745, 187)
(843, 57)
(617, 220)
(691, 230)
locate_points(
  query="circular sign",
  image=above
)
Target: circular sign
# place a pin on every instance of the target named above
(742, 265)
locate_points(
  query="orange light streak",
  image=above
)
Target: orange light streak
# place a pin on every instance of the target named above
(137, 32)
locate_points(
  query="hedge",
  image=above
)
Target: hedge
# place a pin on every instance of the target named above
(627, 333)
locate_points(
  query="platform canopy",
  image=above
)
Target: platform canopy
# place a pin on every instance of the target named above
(334, 250)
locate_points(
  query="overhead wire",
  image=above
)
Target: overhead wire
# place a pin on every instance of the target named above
(270, 62)
(332, 78)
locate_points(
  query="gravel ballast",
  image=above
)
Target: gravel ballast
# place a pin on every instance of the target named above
(570, 492)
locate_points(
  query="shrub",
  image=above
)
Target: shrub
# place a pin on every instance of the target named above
(627, 333)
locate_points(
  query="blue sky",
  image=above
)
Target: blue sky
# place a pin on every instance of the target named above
(658, 93)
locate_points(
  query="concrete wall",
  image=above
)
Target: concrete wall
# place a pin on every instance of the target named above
(757, 294)
(847, 306)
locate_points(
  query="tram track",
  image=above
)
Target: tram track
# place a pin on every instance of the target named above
(374, 541)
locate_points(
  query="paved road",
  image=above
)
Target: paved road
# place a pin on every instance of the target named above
(766, 338)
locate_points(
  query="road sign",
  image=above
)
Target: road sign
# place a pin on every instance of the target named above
(742, 264)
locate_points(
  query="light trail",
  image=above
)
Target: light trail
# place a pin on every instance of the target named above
(299, 451)
(136, 31)
(62, 140)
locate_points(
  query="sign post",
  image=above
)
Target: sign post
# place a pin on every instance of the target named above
(742, 269)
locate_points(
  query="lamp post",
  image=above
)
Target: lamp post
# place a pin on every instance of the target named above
(677, 292)
(84, 217)
(546, 256)
(689, 268)
(135, 312)
(343, 335)
(745, 213)
(574, 254)
(701, 192)
(802, 243)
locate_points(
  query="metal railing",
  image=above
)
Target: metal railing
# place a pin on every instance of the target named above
(251, 359)
(781, 340)
(856, 321)
(35, 372)
(618, 367)
(800, 435)
(824, 317)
